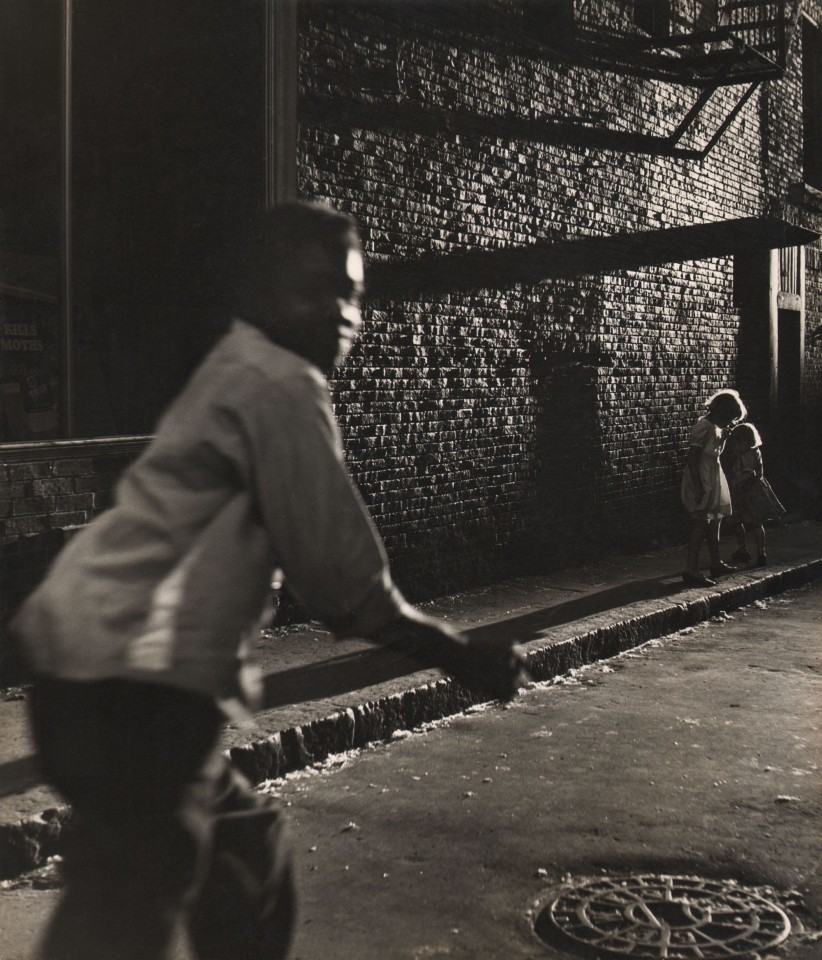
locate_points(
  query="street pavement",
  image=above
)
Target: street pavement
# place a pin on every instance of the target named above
(326, 696)
(699, 754)
(696, 755)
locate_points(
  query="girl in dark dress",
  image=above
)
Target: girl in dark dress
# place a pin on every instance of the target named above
(754, 501)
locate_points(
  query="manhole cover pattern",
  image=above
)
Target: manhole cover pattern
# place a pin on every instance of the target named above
(650, 917)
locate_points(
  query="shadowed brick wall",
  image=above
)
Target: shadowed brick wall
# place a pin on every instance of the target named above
(42, 502)
(812, 447)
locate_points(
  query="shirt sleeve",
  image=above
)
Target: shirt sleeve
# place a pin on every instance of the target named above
(326, 543)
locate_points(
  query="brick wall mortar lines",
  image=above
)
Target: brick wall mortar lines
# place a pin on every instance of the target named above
(41, 504)
(669, 333)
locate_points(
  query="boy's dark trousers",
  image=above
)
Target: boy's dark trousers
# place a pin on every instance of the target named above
(162, 829)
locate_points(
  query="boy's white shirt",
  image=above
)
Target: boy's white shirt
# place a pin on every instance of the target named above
(245, 474)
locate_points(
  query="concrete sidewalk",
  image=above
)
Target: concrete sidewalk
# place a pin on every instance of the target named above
(326, 695)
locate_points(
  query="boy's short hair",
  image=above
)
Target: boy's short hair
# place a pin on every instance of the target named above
(727, 401)
(273, 244)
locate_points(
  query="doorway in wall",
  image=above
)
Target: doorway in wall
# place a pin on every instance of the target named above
(787, 435)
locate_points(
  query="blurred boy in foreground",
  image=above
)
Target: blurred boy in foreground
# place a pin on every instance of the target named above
(140, 631)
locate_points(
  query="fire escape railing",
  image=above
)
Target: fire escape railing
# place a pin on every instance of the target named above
(740, 41)
(706, 44)
(694, 42)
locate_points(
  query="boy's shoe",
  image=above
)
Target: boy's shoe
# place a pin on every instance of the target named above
(697, 580)
(762, 560)
(722, 570)
(741, 556)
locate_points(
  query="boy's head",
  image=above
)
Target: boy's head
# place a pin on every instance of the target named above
(299, 277)
(726, 407)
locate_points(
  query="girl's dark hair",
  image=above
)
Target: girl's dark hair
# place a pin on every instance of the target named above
(749, 432)
(728, 401)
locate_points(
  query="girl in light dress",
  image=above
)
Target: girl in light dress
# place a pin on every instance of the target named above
(753, 499)
(705, 493)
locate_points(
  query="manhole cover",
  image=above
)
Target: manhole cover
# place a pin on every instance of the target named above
(651, 917)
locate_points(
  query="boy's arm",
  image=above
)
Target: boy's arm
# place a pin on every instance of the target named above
(331, 553)
(756, 462)
(493, 672)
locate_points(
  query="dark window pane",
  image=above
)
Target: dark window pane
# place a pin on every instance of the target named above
(168, 155)
(30, 124)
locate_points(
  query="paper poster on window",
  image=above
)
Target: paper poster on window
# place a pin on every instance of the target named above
(29, 370)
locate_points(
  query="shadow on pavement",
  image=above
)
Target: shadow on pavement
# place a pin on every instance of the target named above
(528, 626)
(17, 776)
(353, 671)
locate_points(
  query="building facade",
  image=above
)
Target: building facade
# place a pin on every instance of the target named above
(580, 219)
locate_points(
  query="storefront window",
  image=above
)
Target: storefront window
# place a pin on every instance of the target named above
(130, 171)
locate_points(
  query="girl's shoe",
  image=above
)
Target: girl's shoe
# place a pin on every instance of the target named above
(741, 556)
(762, 560)
(697, 580)
(722, 570)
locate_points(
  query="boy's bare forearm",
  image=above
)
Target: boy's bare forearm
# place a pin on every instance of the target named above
(423, 638)
(491, 672)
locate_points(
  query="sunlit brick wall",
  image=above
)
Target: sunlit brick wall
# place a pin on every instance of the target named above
(546, 420)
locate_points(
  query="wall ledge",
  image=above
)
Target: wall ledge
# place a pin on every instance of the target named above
(66, 449)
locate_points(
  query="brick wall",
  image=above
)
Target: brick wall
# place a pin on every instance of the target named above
(782, 164)
(42, 502)
(541, 420)
(812, 419)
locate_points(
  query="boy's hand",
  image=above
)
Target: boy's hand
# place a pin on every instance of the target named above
(493, 673)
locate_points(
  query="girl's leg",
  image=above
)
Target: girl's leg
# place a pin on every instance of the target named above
(699, 529)
(759, 537)
(691, 574)
(712, 536)
(718, 568)
(741, 553)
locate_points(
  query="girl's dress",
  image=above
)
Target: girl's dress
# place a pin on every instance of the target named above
(753, 499)
(716, 498)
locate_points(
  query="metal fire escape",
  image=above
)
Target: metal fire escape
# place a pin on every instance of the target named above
(705, 44)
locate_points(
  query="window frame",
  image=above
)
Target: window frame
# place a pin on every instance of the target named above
(281, 84)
